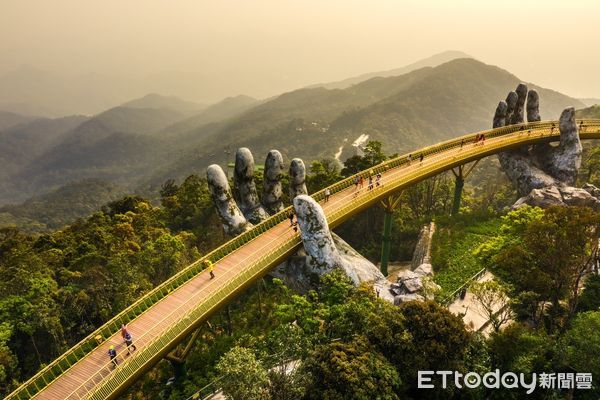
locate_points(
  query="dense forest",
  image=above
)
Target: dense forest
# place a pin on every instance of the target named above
(58, 286)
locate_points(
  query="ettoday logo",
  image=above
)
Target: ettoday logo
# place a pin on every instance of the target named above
(507, 380)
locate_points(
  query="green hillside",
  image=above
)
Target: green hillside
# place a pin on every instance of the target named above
(225, 109)
(117, 145)
(60, 207)
(10, 119)
(404, 112)
(590, 112)
(138, 120)
(432, 61)
(24, 143)
(155, 100)
(140, 148)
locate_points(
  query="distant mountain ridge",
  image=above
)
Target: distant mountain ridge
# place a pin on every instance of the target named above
(61, 206)
(10, 119)
(227, 108)
(589, 112)
(432, 61)
(155, 100)
(404, 112)
(24, 143)
(590, 101)
(140, 148)
(117, 145)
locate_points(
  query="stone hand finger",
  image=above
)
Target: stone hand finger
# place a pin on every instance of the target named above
(297, 178)
(566, 158)
(232, 218)
(517, 116)
(244, 187)
(500, 115)
(272, 192)
(533, 106)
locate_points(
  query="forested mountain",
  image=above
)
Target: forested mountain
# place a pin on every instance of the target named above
(590, 101)
(10, 119)
(155, 100)
(117, 145)
(60, 207)
(589, 112)
(140, 148)
(225, 109)
(432, 61)
(132, 120)
(22, 144)
(404, 112)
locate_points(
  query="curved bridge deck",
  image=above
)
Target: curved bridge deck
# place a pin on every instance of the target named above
(165, 316)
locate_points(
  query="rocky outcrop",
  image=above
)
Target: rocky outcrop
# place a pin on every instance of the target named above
(417, 284)
(544, 175)
(561, 195)
(323, 254)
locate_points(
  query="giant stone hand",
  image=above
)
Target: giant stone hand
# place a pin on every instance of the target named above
(322, 252)
(543, 174)
(327, 251)
(238, 211)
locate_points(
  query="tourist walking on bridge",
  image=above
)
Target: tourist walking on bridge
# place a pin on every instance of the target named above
(129, 343)
(209, 266)
(112, 353)
(327, 194)
(123, 330)
(421, 158)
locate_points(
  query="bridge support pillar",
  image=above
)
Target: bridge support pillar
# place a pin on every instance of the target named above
(177, 357)
(389, 206)
(460, 175)
(179, 371)
(459, 183)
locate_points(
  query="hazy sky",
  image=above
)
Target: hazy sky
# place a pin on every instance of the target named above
(279, 45)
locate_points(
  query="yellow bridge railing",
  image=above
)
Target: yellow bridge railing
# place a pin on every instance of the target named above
(446, 155)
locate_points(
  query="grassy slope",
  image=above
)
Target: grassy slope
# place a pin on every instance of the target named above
(452, 250)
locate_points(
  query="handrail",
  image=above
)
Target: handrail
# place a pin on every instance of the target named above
(183, 325)
(62, 364)
(452, 296)
(140, 339)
